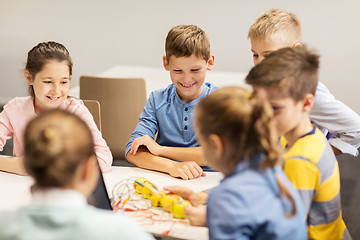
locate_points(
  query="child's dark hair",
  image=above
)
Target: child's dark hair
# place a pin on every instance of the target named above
(41, 54)
(245, 125)
(56, 143)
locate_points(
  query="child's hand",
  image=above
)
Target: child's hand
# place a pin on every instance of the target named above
(186, 170)
(196, 215)
(199, 198)
(195, 199)
(183, 192)
(146, 141)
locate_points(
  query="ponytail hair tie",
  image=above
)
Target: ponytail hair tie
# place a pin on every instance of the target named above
(248, 94)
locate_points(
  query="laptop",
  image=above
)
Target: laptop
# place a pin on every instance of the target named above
(99, 197)
(163, 237)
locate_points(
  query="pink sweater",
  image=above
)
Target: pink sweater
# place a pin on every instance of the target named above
(19, 111)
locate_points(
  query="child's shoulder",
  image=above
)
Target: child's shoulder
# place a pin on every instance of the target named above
(88, 220)
(210, 86)
(16, 104)
(311, 147)
(163, 95)
(169, 90)
(253, 187)
(72, 105)
(250, 180)
(112, 222)
(19, 101)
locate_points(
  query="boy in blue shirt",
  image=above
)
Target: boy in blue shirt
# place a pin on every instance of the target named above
(168, 112)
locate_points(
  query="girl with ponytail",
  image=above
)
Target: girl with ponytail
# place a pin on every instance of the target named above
(254, 200)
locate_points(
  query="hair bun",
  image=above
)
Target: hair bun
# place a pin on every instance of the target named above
(52, 140)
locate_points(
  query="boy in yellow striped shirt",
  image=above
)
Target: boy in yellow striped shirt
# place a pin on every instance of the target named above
(288, 78)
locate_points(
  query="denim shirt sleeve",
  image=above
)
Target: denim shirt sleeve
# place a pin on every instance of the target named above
(225, 223)
(334, 116)
(148, 124)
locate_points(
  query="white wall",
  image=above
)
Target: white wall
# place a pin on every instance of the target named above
(100, 34)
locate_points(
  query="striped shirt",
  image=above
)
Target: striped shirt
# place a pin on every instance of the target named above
(311, 166)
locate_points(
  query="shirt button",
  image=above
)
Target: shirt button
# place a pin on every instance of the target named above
(186, 109)
(185, 128)
(185, 118)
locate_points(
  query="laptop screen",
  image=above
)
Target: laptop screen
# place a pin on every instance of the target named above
(99, 197)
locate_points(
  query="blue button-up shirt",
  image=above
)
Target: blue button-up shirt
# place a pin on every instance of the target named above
(166, 114)
(248, 205)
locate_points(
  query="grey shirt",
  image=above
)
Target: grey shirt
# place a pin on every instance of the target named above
(333, 116)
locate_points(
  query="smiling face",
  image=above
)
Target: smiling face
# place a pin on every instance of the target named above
(188, 75)
(51, 85)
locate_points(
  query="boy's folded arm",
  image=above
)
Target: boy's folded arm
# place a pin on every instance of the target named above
(181, 154)
(144, 159)
(338, 144)
(338, 118)
(147, 125)
(184, 154)
(146, 141)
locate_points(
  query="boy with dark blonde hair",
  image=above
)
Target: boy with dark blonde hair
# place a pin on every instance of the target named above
(289, 78)
(168, 112)
(186, 40)
(277, 29)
